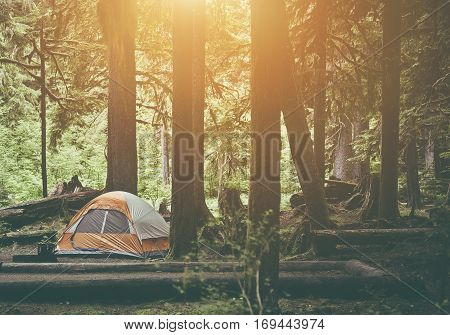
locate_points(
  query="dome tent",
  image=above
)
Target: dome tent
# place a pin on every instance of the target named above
(116, 223)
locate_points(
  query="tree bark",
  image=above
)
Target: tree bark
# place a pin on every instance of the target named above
(118, 21)
(362, 168)
(262, 262)
(320, 68)
(203, 213)
(390, 110)
(429, 152)
(343, 168)
(183, 225)
(165, 155)
(412, 174)
(371, 205)
(43, 116)
(300, 142)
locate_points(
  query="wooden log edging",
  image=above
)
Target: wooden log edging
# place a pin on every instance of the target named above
(130, 287)
(172, 267)
(143, 281)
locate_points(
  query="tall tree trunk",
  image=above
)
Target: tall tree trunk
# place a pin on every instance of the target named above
(203, 213)
(343, 168)
(320, 68)
(43, 115)
(300, 142)
(183, 224)
(412, 174)
(118, 21)
(390, 110)
(165, 154)
(264, 198)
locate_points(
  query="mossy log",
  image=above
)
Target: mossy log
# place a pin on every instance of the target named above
(32, 211)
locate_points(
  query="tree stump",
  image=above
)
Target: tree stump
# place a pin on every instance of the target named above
(72, 186)
(163, 210)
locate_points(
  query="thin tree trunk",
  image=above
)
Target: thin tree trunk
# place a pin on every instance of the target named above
(262, 263)
(390, 110)
(183, 225)
(300, 142)
(320, 64)
(429, 152)
(412, 174)
(198, 110)
(362, 125)
(361, 168)
(43, 116)
(343, 168)
(118, 21)
(165, 154)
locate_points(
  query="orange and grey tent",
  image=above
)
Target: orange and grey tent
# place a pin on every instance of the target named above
(115, 223)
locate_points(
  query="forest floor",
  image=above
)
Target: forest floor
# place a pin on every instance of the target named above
(419, 260)
(311, 306)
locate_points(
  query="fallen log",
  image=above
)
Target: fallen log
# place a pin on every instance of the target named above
(370, 236)
(342, 279)
(26, 238)
(352, 267)
(32, 211)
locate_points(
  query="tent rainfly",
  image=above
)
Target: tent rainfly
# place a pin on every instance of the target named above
(115, 223)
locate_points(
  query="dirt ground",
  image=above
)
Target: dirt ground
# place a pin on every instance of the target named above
(311, 306)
